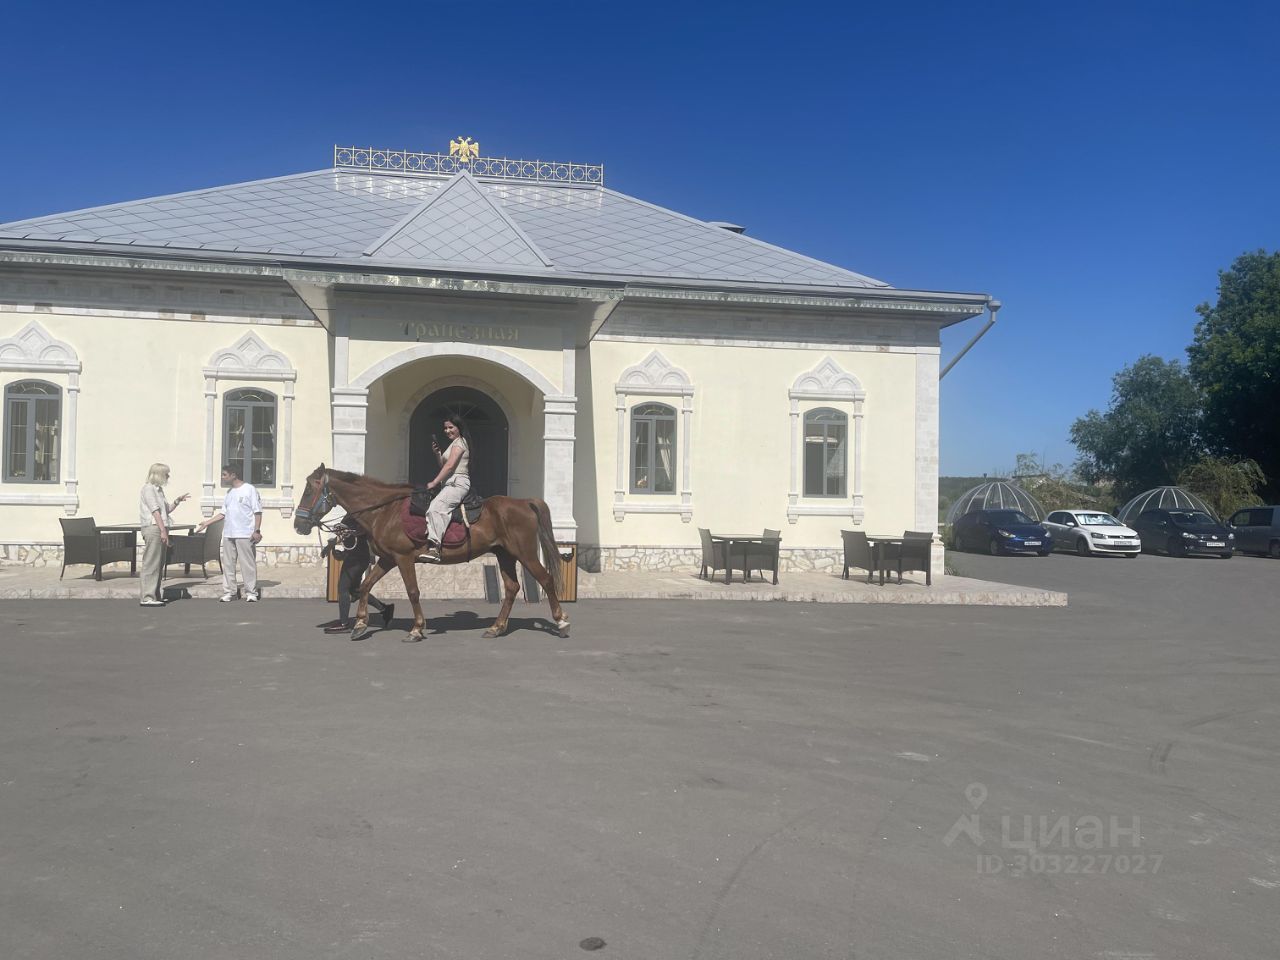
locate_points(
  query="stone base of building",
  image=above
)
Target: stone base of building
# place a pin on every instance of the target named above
(600, 559)
(592, 558)
(50, 554)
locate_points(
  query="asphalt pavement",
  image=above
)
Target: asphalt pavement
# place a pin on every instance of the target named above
(676, 780)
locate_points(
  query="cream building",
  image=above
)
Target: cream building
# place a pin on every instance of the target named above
(645, 373)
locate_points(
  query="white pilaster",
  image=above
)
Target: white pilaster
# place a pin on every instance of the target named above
(286, 474)
(560, 415)
(857, 454)
(350, 406)
(210, 398)
(797, 457)
(926, 513)
(686, 485)
(619, 489)
(73, 407)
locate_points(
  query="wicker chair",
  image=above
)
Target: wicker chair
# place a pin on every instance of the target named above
(202, 548)
(767, 553)
(713, 555)
(912, 554)
(83, 542)
(858, 552)
(762, 556)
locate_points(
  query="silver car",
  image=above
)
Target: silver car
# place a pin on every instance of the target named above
(1090, 532)
(1257, 530)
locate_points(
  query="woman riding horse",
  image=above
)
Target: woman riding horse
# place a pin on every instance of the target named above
(513, 530)
(451, 484)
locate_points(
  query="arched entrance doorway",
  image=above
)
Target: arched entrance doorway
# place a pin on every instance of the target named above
(488, 427)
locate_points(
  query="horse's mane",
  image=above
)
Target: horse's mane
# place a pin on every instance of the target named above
(348, 477)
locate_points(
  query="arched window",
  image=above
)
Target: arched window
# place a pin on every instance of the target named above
(826, 458)
(32, 432)
(249, 434)
(653, 448)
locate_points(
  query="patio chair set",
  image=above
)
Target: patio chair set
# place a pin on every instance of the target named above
(747, 552)
(911, 551)
(84, 541)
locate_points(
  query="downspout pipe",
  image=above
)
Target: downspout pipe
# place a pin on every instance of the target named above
(993, 306)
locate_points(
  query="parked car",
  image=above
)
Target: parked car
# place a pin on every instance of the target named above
(1257, 530)
(1181, 533)
(1000, 531)
(1090, 532)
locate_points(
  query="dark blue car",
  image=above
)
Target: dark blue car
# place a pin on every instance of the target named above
(1000, 531)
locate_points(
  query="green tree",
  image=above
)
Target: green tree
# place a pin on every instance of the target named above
(1235, 361)
(1149, 434)
(1222, 483)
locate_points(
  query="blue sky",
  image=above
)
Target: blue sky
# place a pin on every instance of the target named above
(1091, 165)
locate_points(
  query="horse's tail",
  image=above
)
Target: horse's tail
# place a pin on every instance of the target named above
(547, 540)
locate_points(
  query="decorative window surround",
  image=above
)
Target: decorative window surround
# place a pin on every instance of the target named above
(253, 361)
(654, 377)
(825, 383)
(32, 350)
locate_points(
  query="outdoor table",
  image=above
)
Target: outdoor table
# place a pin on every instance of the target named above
(878, 544)
(730, 540)
(134, 529)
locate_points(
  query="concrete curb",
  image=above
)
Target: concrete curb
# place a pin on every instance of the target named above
(1000, 596)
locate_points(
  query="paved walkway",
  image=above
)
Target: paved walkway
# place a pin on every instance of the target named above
(469, 582)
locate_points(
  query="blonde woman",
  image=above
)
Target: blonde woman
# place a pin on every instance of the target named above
(153, 513)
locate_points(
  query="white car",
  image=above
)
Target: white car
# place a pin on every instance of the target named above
(1090, 532)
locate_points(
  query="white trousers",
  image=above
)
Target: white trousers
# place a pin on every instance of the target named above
(239, 548)
(153, 551)
(451, 494)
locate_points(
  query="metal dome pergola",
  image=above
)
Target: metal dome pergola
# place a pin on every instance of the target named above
(996, 495)
(1163, 498)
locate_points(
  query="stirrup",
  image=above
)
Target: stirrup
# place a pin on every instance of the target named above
(432, 555)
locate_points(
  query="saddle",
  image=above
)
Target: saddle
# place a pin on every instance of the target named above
(413, 517)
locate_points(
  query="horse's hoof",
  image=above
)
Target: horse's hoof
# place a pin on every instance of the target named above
(563, 628)
(359, 631)
(412, 637)
(490, 634)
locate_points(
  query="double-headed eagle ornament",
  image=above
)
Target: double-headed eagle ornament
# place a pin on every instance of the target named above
(465, 149)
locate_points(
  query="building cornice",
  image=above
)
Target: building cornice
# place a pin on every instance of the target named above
(941, 306)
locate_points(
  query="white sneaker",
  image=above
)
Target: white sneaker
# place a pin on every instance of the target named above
(226, 598)
(250, 598)
(150, 602)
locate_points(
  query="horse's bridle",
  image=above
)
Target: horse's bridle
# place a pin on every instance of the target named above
(320, 505)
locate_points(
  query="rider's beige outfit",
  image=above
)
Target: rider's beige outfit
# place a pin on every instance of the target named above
(451, 492)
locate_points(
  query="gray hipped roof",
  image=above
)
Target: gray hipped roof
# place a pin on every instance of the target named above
(440, 223)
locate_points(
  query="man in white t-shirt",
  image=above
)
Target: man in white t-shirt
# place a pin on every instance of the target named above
(240, 534)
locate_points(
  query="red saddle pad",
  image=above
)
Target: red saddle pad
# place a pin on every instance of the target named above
(415, 528)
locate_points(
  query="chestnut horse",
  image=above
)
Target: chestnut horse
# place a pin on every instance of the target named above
(509, 528)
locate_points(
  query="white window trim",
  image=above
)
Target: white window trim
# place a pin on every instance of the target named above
(654, 377)
(249, 360)
(33, 350)
(826, 384)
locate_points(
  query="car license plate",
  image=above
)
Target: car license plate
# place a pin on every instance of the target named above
(1033, 543)
(1215, 543)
